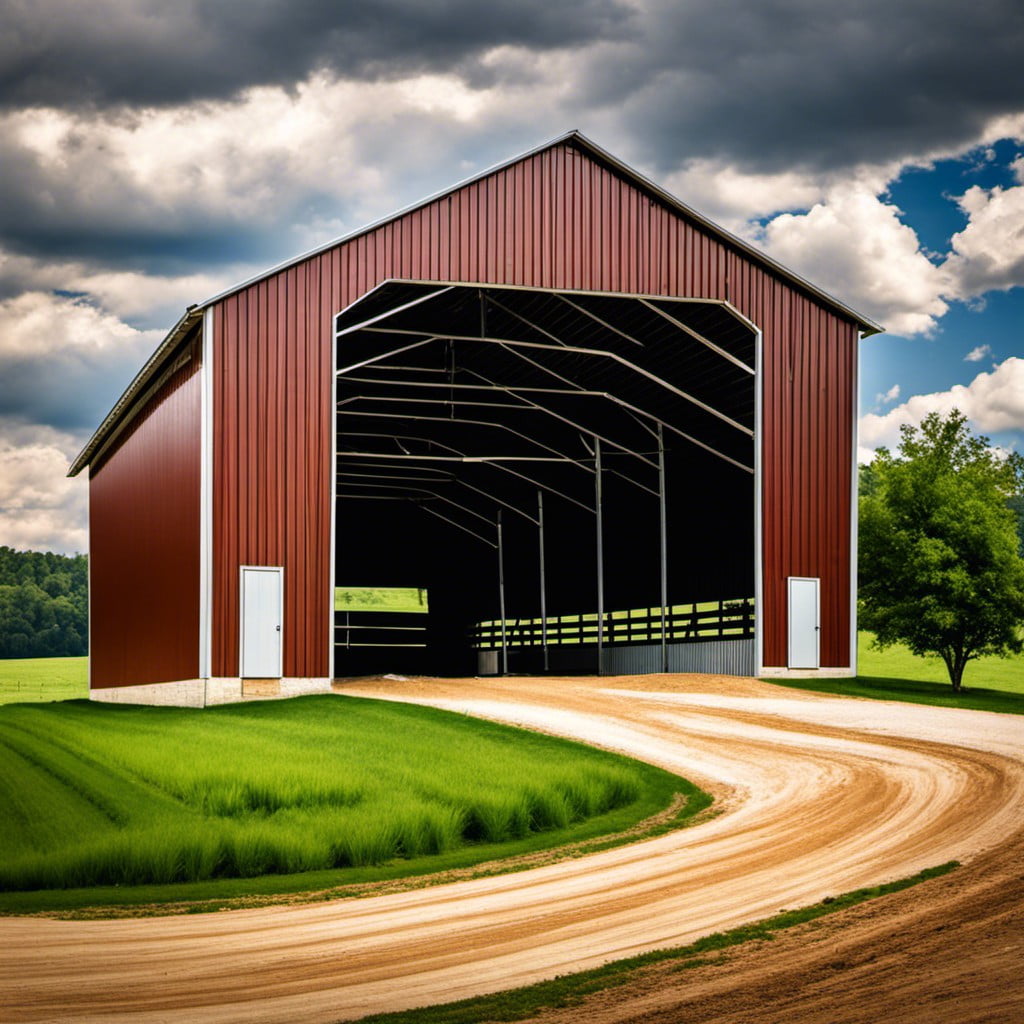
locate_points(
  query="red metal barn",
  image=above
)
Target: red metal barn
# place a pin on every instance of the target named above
(604, 434)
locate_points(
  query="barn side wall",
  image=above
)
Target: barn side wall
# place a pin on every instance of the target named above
(558, 219)
(144, 541)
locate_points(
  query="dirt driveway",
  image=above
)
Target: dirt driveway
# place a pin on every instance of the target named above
(819, 795)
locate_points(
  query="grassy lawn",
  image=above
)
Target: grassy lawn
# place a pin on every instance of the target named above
(43, 679)
(115, 804)
(897, 662)
(380, 599)
(990, 684)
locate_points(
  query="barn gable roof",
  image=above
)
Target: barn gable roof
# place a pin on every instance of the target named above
(135, 394)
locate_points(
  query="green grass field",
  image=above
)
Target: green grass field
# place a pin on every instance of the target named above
(897, 662)
(345, 788)
(990, 684)
(43, 679)
(380, 599)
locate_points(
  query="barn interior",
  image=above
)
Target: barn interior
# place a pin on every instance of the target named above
(542, 462)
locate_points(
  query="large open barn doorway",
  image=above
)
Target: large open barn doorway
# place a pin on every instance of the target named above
(570, 475)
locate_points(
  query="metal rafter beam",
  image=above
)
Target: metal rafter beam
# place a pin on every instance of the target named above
(529, 323)
(505, 469)
(614, 398)
(697, 336)
(575, 349)
(364, 324)
(515, 392)
(525, 406)
(447, 478)
(633, 409)
(449, 420)
(457, 458)
(407, 490)
(530, 407)
(597, 319)
(536, 407)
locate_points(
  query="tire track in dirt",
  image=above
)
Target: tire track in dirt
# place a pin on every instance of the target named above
(819, 796)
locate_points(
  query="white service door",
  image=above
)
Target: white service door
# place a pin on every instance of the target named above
(804, 627)
(262, 597)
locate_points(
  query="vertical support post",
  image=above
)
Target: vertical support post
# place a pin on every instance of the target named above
(600, 556)
(501, 600)
(663, 552)
(543, 585)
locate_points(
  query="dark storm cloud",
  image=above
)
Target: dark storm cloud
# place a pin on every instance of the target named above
(787, 83)
(767, 85)
(81, 382)
(70, 53)
(76, 398)
(83, 205)
(764, 83)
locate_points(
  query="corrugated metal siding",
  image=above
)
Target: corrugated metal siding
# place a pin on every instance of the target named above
(272, 472)
(717, 657)
(557, 219)
(144, 542)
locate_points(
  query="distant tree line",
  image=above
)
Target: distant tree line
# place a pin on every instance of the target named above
(44, 604)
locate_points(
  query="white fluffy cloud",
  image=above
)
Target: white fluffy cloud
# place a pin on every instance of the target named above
(978, 353)
(992, 402)
(44, 325)
(989, 253)
(855, 247)
(732, 197)
(63, 362)
(126, 294)
(40, 508)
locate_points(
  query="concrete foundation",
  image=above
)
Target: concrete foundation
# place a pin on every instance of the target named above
(201, 693)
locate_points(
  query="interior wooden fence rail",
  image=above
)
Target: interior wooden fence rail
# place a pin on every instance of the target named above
(695, 622)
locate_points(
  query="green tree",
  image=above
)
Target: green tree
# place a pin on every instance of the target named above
(1016, 504)
(940, 568)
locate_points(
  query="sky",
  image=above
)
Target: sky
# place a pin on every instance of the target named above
(154, 153)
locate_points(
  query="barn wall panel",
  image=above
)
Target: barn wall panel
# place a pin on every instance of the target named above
(144, 542)
(557, 219)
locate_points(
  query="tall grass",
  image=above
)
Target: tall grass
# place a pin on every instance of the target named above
(119, 795)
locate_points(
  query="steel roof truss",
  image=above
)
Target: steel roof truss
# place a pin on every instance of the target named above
(448, 478)
(514, 392)
(506, 469)
(446, 419)
(697, 336)
(640, 412)
(577, 350)
(432, 493)
(603, 323)
(391, 312)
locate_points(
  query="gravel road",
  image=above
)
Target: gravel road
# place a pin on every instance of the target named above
(819, 795)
